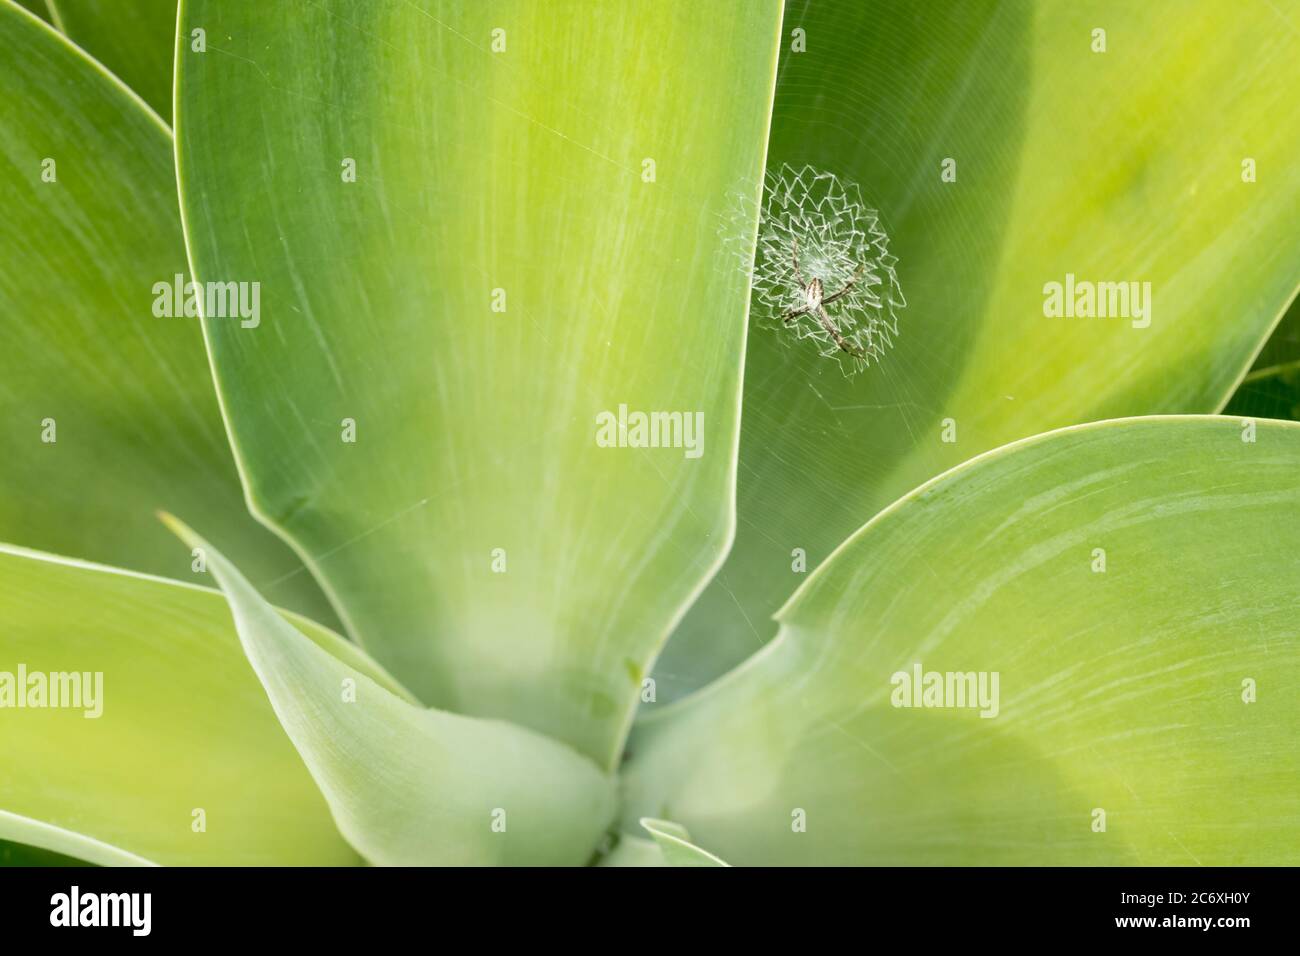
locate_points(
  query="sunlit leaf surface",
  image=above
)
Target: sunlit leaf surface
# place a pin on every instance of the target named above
(410, 786)
(1118, 166)
(107, 410)
(181, 736)
(477, 229)
(1131, 586)
(133, 38)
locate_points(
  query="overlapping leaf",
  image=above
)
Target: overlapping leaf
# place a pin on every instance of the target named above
(410, 786)
(675, 844)
(172, 755)
(1132, 584)
(476, 229)
(107, 410)
(1272, 387)
(133, 38)
(1121, 166)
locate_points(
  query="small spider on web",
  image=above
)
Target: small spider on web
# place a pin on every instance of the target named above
(819, 245)
(816, 302)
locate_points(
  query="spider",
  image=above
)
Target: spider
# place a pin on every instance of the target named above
(815, 303)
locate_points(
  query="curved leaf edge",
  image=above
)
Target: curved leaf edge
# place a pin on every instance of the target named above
(674, 843)
(792, 603)
(335, 644)
(733, 448)
(47, 836)
(1249, 372)
(94, 64)
(255, 508)
(278, 644)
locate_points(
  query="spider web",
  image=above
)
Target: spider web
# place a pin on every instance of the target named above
(837, 233)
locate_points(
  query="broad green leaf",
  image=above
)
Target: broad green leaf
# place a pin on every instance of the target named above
(1159, 690)
(676, 846)
(107, 411)
(133, 38)
(182, 726)
(410, 786)
(482, 543)
(1122, 166)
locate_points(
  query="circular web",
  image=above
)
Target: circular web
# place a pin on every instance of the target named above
(839, 241)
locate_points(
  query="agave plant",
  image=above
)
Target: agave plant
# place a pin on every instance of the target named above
(377, 489)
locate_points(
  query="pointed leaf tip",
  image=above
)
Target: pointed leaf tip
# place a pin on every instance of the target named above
(675, 844)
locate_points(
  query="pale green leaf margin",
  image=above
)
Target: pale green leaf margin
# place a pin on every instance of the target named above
(675, 844)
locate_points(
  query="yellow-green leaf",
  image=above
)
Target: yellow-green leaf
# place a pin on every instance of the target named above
(479, 229)
(164, 748)
(1110, 611)
(133, 38)
(107, 410)
(410, 786)
(675, 844)
(1159, 151)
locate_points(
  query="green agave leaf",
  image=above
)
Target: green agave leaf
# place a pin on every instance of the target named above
(106, 410)
(133, 38)
(676, 846)
(481, 542)
(1123, 690)
(410, 786)
(1117, 166)
(182, 726)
